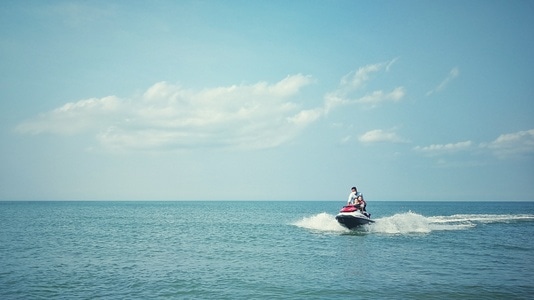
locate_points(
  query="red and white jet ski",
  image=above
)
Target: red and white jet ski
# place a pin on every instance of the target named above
(351, 217)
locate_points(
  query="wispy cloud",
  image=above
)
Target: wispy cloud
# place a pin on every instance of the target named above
(77, 117)
(380, 96)
(253, 116)
(357, 79)
(507, 145)
(259, 115)
(441, 149)
(512, 144)
(455, 72)
(351, 88)
(391, 63)
(381, 136)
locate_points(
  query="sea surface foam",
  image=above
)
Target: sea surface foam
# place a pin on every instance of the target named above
(410, 222)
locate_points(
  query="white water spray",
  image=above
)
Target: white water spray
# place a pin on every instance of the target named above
(320, 222)
(410, 222)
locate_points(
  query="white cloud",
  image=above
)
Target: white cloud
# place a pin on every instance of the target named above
(455, 72)
(391, 63)
(440, 149)
(379, 96)
(306, 117)
(513, 144)
(345, 140)
(357, 79)
(381, 136)
(332, 101)
(505, 146)
(354, 82)
(168, 116)
(75, 117)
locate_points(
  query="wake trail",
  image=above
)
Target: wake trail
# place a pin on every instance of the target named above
(320, 222)
(410, 222)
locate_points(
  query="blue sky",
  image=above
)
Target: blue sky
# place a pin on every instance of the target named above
(266, 100)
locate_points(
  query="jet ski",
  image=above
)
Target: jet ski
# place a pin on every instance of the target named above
(351, 217)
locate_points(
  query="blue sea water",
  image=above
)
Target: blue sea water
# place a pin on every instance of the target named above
(265, 250)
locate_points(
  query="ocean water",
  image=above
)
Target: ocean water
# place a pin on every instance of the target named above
(265, 250)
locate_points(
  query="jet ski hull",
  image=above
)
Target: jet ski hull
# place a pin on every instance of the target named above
(350, 220)
(351, 216)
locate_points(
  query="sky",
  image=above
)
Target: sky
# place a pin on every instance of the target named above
(267, 100)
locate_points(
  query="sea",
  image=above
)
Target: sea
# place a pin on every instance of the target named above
(265, 250)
